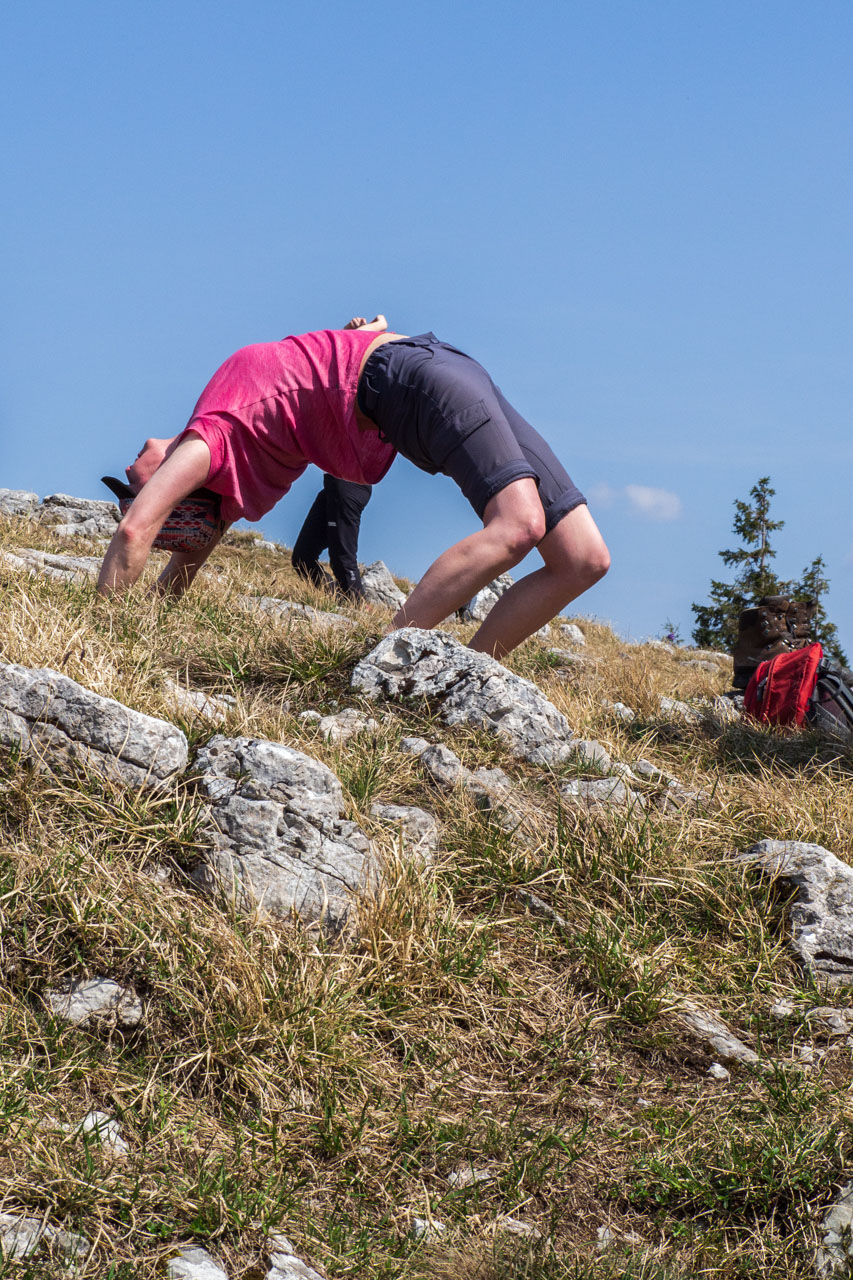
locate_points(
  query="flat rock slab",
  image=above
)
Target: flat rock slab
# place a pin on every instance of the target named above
(96, 998)
(380, 587)
(821, 915)
(291, 611)
(280, 843)
(52, 718)
(469, 688)
(599, 793)
(63, 568)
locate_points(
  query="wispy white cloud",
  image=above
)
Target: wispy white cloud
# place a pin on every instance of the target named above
(653, 504)
(656, 504)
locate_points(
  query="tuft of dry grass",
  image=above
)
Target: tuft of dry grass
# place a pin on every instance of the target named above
(281, 1081)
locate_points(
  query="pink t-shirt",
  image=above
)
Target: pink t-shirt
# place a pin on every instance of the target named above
(272, 408)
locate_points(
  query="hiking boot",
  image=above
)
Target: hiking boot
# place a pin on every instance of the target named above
(762, 634)
(800, 616)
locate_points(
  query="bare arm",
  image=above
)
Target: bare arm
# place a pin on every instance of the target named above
(185, 469)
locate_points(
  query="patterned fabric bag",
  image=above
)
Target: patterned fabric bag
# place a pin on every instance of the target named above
(192, 525)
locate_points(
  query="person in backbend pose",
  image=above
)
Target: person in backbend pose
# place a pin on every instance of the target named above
(348, 400)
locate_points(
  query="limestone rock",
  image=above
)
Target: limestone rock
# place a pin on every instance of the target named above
(467, 1176)
(718, 1072)
(591, 754)
(662, 645)
(702, 664)
(427, 1229)
(602, 792)
(443, 765)
(79, 516)
(279, 841)
(17, 502)
(104, 1130)
(566, 658)
(619, 711)
(821, 916)
(418, 829)
(479, 606)
(379, 586)
(61, 567)
(54, 719)
(284, 1263)
(413, 746)
(832, 1022)
(471, 689)
(194, 1264)
(716, 1036)
(679, 712)
(835, 1257)
(195, 702)
(490, 789)
(345, 724)
(94, 999)
(292, 612)
(709, 655)
(572, 634)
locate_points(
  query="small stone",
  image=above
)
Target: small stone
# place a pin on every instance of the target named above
(836, 1255)
(413, 746)
(782, 1009)
(291, 611)
(20, 1236)
(589, 752)
(96, 998)
(285, 1264)
(345, 724)
(194, 1264)
(602, 792)
(644, 1104)
(105, 1130)
(717, 1037)
(718, 1072)
(566, 658)
(478, 608)
(835, 1022)
(572, 634)
(619, 710)
(466, 1176)
(418, 829)
(518, 1227)
(606, 1239)
(701, 664)
(806, 1055)
(195, 702)
(443, 765)
(427, 1230)
(679, 712)
(309, 717)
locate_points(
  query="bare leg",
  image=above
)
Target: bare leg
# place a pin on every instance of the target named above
(513, 523)
(575, 557)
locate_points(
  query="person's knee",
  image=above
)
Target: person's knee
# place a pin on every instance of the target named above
(597, 564)
(522, 534)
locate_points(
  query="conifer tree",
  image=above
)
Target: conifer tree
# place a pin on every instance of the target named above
(716, 623)
(813, 585)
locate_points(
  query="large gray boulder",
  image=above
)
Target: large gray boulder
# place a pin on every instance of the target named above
(379, 586)
(54, 720)
(279, 841)
(469, 689)
(821, 915)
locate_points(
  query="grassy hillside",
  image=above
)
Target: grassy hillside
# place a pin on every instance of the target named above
(329, 1089)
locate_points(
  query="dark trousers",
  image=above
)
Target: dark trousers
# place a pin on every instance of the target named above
(333, 523)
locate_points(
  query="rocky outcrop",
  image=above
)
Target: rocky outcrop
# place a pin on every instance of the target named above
(821, 915)
(279, 840)
(17, 502)
(54, 720)
(468, 688)
(75, 517)
(380, 587)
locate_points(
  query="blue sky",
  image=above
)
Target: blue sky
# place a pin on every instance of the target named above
(636, 215)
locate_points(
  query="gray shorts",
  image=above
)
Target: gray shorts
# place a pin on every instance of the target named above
(441, 410)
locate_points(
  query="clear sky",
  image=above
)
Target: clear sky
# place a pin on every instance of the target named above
(636, 214)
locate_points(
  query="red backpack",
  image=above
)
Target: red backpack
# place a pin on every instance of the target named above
(801, 687)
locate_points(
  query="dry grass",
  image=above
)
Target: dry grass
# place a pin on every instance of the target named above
(282, 1082)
